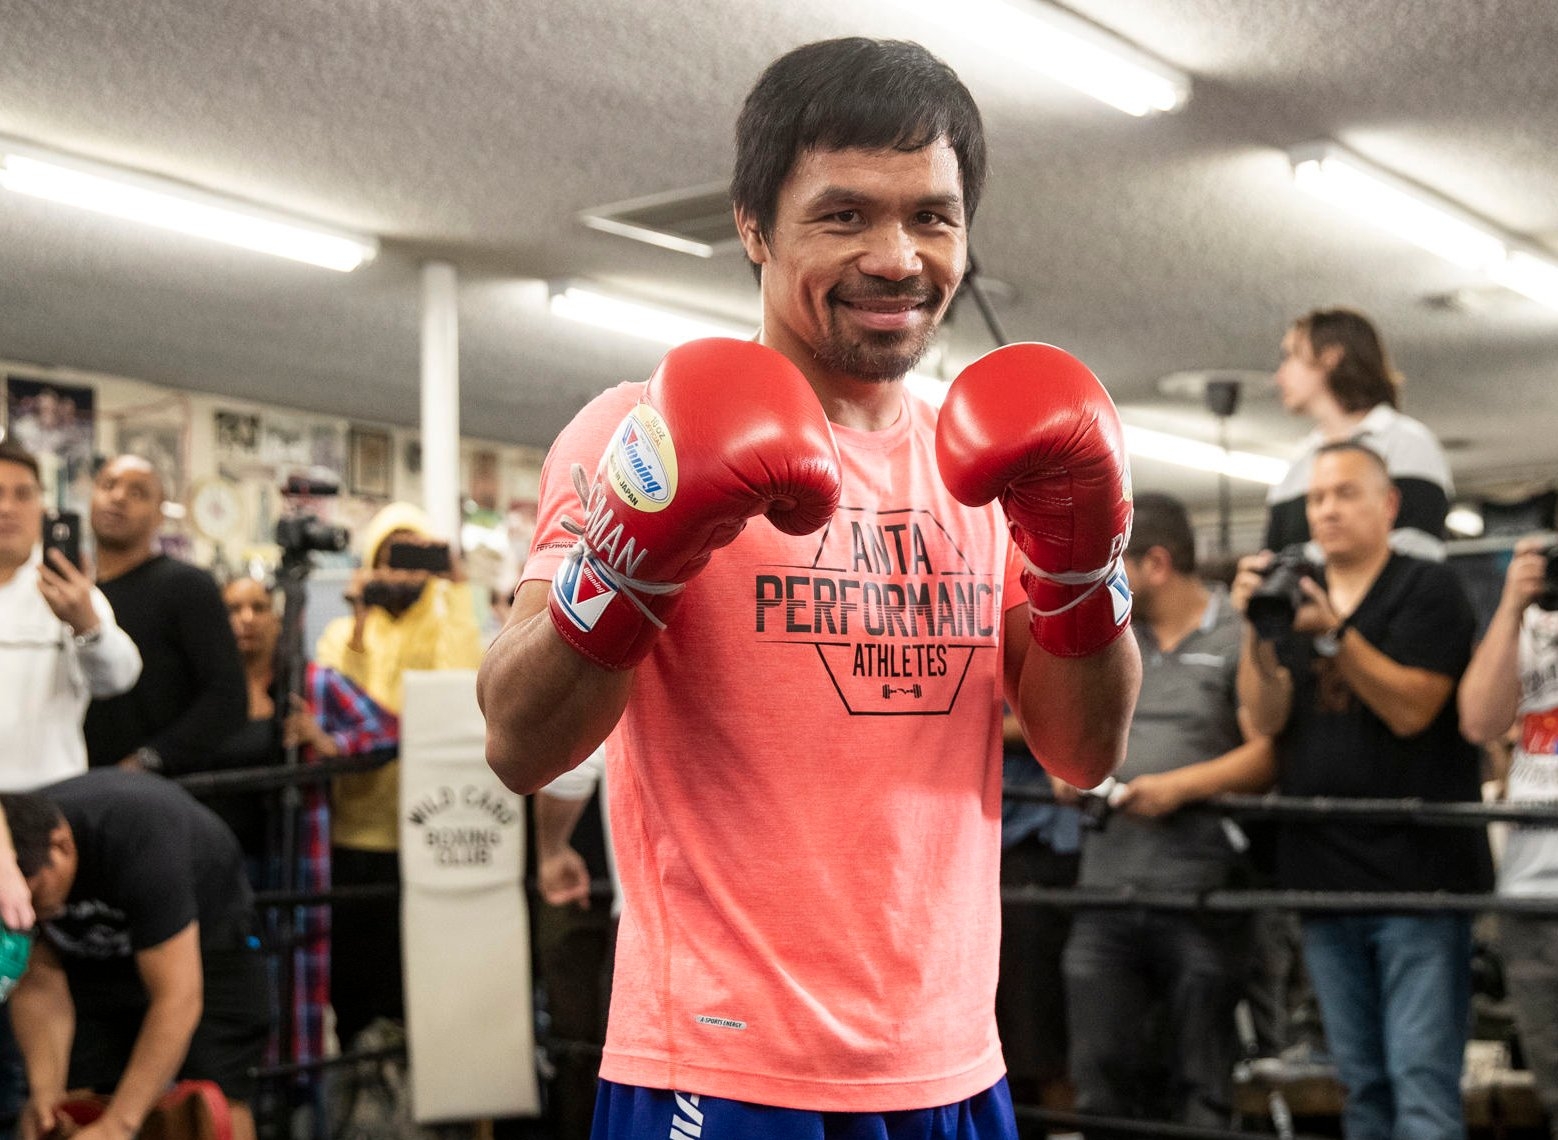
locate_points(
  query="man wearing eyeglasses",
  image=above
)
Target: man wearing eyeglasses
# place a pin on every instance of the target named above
(59, 644)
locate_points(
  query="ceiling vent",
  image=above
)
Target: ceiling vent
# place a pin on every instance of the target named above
(696, 221)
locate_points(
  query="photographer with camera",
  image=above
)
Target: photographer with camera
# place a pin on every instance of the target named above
(411, 609)
(1512, 682)
(1357, 692)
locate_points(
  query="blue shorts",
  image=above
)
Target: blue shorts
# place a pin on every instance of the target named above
(625, 1112)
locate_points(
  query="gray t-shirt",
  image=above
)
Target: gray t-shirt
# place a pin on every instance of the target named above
(1187, 713)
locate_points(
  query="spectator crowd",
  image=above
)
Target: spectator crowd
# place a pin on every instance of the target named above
(1344, 660)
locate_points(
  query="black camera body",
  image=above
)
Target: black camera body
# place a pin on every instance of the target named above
(1276, 600)
(396, 597)
(302, 533)
(1548, 598)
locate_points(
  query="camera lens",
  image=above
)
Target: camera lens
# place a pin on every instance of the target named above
(1275, 602)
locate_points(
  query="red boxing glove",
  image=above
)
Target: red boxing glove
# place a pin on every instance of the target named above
(1030, 424)
(726, 429)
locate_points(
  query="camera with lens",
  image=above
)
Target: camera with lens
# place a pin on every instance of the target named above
(1277, 599)
(300, 534)
(1548, 598)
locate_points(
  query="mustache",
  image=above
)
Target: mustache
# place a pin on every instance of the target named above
(875, 289)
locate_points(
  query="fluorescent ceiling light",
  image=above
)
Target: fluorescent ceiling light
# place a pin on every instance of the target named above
(169, 206)
(1146, 443)
(648, 234)
(1536, 277)
(1424, 219)
(635, 318)
(1393, 204)
(1064, 47)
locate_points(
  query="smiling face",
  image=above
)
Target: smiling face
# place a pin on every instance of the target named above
(867, 249)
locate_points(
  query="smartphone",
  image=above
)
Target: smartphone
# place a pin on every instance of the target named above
(433, 557)
(62, 532)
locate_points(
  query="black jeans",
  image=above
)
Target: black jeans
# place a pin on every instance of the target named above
(1150, 998)
(365, 957)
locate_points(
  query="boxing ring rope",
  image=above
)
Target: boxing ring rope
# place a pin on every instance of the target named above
(1332, 808)
(1236, 901)
(1271, 806)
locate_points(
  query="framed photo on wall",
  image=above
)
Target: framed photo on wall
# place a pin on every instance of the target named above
(55, 422)
(370, 463)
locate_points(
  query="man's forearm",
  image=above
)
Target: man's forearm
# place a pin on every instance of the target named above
(44, 1021)
(1076, 711)
(1405, 698)
(555, 820)
(547, 708)
(1489, 693)
(1251, 767)
(188, 743)
(1265, 687)
(156, 1057)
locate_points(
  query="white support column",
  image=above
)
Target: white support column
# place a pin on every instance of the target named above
(441, 398)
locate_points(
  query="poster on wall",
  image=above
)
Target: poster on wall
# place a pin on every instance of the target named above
(157, 433)
(284, 444)
(54, 422)
(370, 462)
(237, 434)
(327, 449)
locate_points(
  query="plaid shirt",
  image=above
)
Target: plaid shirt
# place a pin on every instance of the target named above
(358, 725)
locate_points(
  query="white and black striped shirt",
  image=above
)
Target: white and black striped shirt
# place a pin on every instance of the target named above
(1417, 465)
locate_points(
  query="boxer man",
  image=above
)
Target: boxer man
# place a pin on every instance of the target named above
(805, 726)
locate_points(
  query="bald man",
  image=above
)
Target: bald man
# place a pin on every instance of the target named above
(191, 693)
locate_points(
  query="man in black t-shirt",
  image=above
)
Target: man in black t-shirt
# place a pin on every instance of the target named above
(145, 968)
(1359, 697)
(191, 695)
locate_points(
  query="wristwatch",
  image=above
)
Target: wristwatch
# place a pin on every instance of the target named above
(1329, 643)
(89, 638)
(148, 758)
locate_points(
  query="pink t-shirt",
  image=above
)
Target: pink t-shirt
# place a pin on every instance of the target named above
(805, 795)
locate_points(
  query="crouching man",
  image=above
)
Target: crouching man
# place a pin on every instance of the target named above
(145, 968)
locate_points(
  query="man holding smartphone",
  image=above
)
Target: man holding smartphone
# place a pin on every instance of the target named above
(60, 646)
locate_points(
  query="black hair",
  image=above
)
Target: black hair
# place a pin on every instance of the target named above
(1161, 520)
(851, 92)
(1353, 446)
(13, 452)
(32, 820)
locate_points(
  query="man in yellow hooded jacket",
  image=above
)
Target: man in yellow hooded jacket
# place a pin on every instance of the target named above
(401, 619)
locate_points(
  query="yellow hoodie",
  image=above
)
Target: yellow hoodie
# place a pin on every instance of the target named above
(437, 632)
